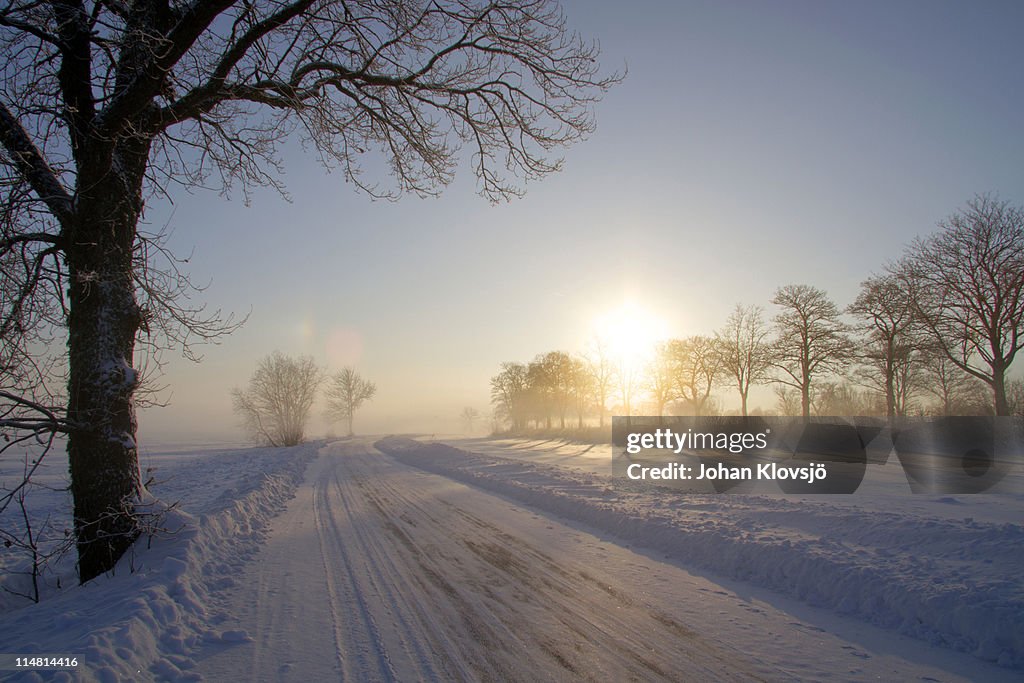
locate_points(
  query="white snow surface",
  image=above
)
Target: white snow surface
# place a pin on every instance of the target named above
(942, 569)
(516, 560)
(145, 620)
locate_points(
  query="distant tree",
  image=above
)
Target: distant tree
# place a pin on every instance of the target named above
(908, 375)
(1015, 397)
(955, 391)
(469, 416)
(697, 366)
(744, 351)
(509, 395)
(629, 378)
(602, 369)
(787, 400)
(842, 398)
(346, 393)
(661, 376)
(552, 375)
(892, 346)
(536, 403)
(276, 404)
(810, 339)
(967, 286)
(540, 391)
(583, 389)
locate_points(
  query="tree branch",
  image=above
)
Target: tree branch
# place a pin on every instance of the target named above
(31, 164)
(144, 81)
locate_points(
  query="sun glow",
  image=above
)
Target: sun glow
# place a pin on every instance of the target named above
(630, 333)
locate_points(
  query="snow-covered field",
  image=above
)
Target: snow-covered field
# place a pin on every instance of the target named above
(496, 559)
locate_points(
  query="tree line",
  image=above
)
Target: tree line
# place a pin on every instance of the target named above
(935, 332)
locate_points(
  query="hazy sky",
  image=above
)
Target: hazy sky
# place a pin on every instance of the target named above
(752, 145)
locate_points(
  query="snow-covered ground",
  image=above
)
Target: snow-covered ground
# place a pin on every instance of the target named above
(945, 569)
(513, 560)
(163, 602)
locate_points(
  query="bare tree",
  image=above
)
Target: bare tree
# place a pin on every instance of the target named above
(347, 392)
(584, 388)
(1015, 397)
(469, 416)
(275, 406)
(956, 392)
(662, 373)
(540, 391)
(892, 350)
(629, 378)
(810, 339)
(508, 395)
(552, 376)
(841, 398)
(967, 286)
(787, 400)
(743, 349)
(907, 367)
(602, 369)
(697, 366)
(107, 104)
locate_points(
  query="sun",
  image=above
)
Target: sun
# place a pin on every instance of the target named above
(630, 333)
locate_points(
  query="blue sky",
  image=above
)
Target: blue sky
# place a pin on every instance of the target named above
(752, 145)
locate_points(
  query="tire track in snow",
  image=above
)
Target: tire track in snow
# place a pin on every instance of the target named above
(381, 571)
(358, 649)
(491, 602)
(401, 599)
(272, 601)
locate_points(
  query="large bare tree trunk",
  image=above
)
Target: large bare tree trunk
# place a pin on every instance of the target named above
(102, 325)
(1002, 406)
(890, 394)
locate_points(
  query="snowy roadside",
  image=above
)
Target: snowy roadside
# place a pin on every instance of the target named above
(953, 583)
(162, 600)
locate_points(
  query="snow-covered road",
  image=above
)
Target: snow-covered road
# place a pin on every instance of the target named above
(380, 571)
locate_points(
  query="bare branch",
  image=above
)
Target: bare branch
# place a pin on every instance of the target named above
(967, 288)
(810, 339)
(31, 164)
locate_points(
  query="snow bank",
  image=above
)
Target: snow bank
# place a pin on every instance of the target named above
(952, 583)
(144, 620)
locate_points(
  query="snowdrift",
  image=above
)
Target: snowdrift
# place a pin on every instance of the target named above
(146, 619)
